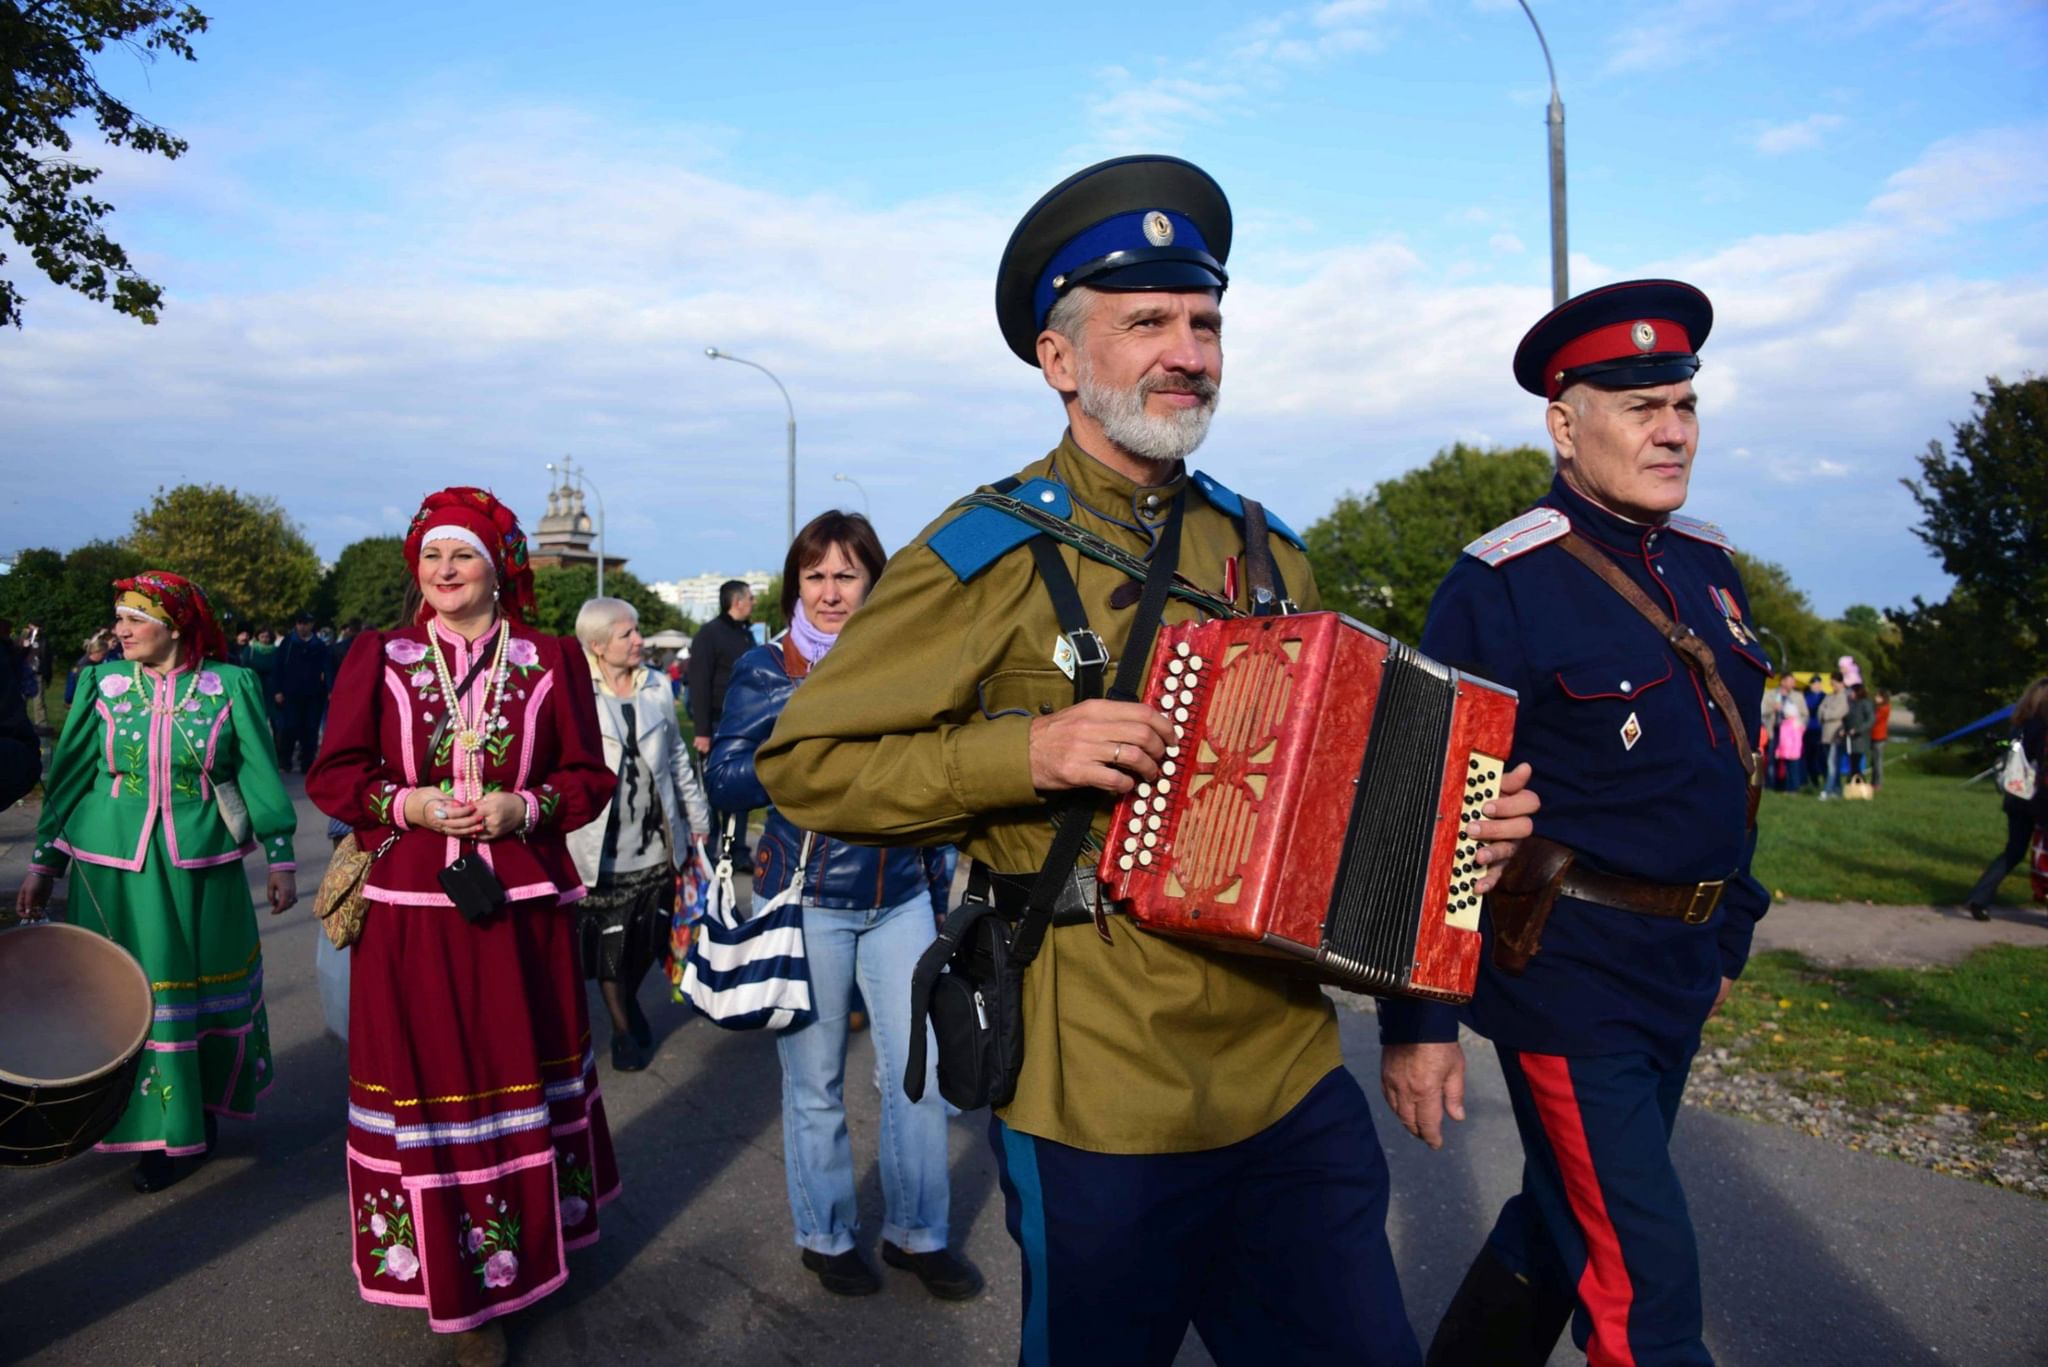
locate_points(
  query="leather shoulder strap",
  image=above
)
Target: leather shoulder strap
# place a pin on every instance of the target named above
(1266, 590)
(1698, 656)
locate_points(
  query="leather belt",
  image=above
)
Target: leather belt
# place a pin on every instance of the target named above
(1008, 893)
(1691, 903)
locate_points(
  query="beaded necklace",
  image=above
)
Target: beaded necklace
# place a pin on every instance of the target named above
(483, 719)
(160, 709)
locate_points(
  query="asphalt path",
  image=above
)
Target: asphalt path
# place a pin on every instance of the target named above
(1812, 1253)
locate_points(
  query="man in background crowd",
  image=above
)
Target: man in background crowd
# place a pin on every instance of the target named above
(300, 678)
(717, 647)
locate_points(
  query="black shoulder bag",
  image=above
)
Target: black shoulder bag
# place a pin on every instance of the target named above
(969, 982)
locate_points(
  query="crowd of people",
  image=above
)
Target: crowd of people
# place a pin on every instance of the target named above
(1825, 733)
(1179, 1141)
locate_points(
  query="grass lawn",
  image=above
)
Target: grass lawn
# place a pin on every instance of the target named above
(1923, 841)
(1973, 1037)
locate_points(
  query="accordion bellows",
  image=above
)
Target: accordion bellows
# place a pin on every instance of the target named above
(1311, 804)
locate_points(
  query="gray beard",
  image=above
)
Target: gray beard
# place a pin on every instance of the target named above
(1121, 412)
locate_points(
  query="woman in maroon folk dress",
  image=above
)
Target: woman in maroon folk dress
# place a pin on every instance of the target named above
(477, 1145)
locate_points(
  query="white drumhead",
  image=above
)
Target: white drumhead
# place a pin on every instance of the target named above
(73, 1005)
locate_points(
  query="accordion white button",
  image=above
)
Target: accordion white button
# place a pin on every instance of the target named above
(1130, 843)
(1194, 662)
(1134, 825)
(1165, 785)
(1144, 790)
(1167, 768)
(1180, 732)
(1174, 666)
(1145, 858)
(1152, 823)
(1173, 752)
(1180, 714)
(1125, 863)
(1181, 650)
(1150, 840)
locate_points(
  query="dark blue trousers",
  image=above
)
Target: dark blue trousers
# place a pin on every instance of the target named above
(1274, 1248)
(1601, 1215)
(299, 734)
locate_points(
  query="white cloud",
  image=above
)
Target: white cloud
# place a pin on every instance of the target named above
(1801, 135)
(1506, 244)
(1983, 175)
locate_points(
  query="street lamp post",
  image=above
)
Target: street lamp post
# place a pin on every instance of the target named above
(715, 354)
(569, 471)
(1560, 290)
(867, 509)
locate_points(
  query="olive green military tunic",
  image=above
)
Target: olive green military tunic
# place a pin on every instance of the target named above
(916, 730)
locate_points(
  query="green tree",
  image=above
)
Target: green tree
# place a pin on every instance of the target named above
(768, 607)
(366, 583)
(253, 561)
(47, 83)
(72, 595)
(1984, 513)
(1379, 556)
(560, 591)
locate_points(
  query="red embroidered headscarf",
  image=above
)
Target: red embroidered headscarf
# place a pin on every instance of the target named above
(178, 603)
(490, 525)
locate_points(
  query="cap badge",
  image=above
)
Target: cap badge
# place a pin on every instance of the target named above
(1644, 336)
(1158, 229)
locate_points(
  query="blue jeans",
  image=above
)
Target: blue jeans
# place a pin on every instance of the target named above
(876, 949)
(1833, 782)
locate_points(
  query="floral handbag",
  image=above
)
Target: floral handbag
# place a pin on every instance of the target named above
(339, 903)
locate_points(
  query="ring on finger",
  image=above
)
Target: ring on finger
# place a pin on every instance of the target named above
(1115, 755)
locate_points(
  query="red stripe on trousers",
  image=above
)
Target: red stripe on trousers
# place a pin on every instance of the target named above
(1604, 1286)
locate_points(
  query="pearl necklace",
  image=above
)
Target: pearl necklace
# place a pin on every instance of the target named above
(149, 694)
(475, 729)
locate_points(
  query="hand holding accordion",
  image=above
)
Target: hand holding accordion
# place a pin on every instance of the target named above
(1312, 803)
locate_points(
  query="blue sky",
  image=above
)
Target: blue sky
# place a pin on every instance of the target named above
(433, 243)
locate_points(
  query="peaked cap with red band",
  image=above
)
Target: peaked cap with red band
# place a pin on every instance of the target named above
(179, 604)
(1625, 336)
(478, 512)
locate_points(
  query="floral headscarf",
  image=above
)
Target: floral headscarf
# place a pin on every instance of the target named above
(486, 523)
(178, 603)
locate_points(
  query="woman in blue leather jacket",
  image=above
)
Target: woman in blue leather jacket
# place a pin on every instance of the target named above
(867, 915)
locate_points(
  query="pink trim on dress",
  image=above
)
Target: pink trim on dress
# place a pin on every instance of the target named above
(440, 899)
(456, 1179)
(109, 861)
(394, 681)
(213, 736)
(356, 1155)
(173, 1150)
(529, 731)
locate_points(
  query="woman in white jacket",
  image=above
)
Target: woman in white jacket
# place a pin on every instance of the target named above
(628, 855)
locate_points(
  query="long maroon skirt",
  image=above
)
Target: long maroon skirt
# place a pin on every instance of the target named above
(477, 1145)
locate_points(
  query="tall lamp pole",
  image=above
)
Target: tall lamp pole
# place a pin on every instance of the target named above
(715, 354)
(867, 509)
(1560, 289)
(583, 481)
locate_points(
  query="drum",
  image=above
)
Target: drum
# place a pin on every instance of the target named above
(75, 1010)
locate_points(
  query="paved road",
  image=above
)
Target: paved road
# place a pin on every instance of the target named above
(1851, 935)
(1814, 1254)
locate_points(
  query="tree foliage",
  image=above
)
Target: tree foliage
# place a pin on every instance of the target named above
(1797, 637)
(366, 583)
(254, 563)
(72, 596)
(1984, 513)
(47, 83)
(560, 591)
(1379, 556)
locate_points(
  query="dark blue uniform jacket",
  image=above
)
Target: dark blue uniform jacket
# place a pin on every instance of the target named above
(1661, 797)
(840, 875)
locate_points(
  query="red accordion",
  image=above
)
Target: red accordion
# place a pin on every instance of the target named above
(1311, 805)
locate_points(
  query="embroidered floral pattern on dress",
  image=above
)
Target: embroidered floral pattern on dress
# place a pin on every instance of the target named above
(114, 685)
(578, 1184)
(493, 1243)
(385, 1219)
(209, 684)
(405, 652)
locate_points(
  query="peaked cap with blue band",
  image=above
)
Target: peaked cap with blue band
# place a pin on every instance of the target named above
(1133, 223)
(1622, 336)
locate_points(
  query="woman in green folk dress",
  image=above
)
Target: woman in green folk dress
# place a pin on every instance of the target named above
(163, 780)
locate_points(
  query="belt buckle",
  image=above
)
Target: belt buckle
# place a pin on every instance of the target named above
(1705, 897)
(1089, 651)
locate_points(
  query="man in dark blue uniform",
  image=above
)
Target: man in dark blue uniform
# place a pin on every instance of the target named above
(1619, 929)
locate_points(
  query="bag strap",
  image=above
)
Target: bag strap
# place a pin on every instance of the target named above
(1091, 657)
(1266, 588)
(1697, 654)
(1079, 813)
(1096, 549)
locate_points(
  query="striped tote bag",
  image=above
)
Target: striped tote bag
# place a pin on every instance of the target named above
(751, 974)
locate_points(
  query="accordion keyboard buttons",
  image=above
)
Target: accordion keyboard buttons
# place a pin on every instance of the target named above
(1482, 785)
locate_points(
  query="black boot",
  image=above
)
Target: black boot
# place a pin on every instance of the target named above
(1498, 1319)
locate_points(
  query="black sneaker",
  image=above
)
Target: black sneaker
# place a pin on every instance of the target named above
(1980, 913)
(944, 1273)
(844, 1274)
(626, 1054)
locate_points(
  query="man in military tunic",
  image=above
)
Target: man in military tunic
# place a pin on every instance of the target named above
(1184, 1144)
(1643, 735)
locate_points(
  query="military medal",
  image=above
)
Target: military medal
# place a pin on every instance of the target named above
(1731, 616)
(1631, 732)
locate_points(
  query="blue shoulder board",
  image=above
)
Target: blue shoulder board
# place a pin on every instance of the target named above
(1225, 501)
(979, 537)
